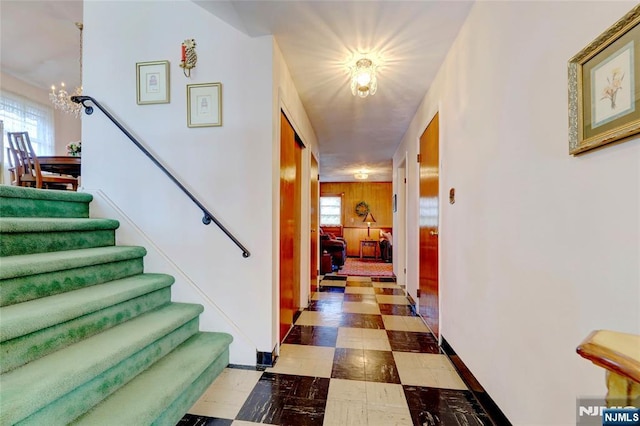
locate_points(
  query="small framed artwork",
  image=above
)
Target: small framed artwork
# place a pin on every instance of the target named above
(152, 82)
(604, 87)
(204, 105)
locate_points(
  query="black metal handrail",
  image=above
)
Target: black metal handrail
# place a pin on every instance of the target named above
(208, 217)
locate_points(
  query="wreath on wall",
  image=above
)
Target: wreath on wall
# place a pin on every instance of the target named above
(362, 208)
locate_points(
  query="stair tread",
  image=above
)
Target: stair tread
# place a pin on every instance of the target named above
(46, 224)
(39, 263)
(34, 385)
(144, 398)
(10, 191)
(27, 317)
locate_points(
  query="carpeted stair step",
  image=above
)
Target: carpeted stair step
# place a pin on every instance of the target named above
(27, 277)
(17, 201)
(69, 379)
(33, 329)
(39, 235)
(163, 393)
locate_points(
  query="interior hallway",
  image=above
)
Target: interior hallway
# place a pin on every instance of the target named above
(358, 355)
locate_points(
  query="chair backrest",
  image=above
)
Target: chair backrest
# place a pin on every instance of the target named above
(13, 171)
(27, 165)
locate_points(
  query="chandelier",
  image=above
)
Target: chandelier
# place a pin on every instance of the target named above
(61, 99)
(363, 78)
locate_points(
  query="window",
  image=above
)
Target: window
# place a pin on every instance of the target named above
(330, 210)
(20, 114)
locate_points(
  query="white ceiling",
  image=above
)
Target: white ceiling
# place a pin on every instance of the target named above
(317, 38)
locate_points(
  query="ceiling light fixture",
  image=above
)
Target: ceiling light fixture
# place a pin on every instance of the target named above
(363, 78)
(61, 99)
(361, 175)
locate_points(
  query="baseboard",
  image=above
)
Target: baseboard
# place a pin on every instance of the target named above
(412, 303)
(490, 407)
(266, 359)
(296, 315)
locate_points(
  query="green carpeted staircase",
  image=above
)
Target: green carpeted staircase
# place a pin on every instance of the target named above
(85, 336)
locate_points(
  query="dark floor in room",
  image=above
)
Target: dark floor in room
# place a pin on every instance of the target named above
(357, 356)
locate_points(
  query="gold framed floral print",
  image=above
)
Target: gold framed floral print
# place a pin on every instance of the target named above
(604, 87)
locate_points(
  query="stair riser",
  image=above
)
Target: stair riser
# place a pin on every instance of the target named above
(26, 288)
(181, 405)
(24, 207)
(70, 406)
(40, 242)
(24, 349)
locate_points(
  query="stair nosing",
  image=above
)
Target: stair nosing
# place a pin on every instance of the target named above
(15, 266)
(8, 191)
(47, 311)
(16, 225)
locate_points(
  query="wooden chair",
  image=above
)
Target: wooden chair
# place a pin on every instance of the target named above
(12, 166)
(27, 166)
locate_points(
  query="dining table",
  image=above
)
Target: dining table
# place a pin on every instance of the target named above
(61, 164)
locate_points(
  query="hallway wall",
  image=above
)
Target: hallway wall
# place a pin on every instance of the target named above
(540, 247)
(223, 166)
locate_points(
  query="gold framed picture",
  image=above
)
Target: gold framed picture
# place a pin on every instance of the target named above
(604, 87)
(152, 82)
(204, 105)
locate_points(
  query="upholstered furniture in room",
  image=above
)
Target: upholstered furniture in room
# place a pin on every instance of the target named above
(335, 246)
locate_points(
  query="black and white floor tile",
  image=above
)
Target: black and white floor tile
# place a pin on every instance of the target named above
(358, 355)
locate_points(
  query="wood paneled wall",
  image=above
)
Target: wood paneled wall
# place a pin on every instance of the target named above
(378, 195)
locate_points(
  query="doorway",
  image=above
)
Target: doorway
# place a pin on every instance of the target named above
(290, 215)
(313, 209)
(400, 260)
(428, 290)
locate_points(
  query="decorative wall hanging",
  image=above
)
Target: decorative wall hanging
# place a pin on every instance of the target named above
(362, 209)
(604, 89)
(204, 105)
(189, 57)
(152, 82)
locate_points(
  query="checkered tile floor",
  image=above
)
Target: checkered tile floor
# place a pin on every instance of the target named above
(357, 356)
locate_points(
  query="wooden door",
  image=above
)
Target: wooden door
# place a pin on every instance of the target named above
(290, 163)
(429, 220)
(314, 220)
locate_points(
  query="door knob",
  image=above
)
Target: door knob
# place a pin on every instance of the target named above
(432, 232)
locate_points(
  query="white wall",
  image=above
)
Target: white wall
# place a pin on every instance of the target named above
(67, 127)
(540, 247)
(224, 166)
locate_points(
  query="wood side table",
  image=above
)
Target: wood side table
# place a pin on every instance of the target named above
(326, 266)
(372, 243)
